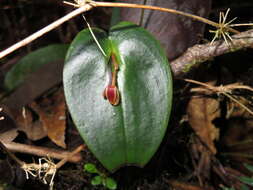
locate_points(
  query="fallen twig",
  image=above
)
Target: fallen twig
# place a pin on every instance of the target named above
(87, 5)
(42, 151)
(69, 156)
(10, 154)
(46, 168)
(201, 53)
(43, 31)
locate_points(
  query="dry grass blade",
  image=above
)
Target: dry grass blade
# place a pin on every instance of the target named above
(243, 24)
(94, 37)
(239, 86)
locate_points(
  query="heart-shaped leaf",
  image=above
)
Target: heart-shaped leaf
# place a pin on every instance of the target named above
(129, 132)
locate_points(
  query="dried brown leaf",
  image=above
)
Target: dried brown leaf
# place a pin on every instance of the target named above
(52, 116)
(33, 129)
(201, 112)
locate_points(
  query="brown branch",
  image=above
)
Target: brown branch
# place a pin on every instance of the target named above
(10, 154)
(44, 30)
(201, 53)
(68, 157)
(42, 151)
(162, 9)
(180, 66)
(89, 5)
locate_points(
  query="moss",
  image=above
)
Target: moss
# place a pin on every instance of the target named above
(189, 66)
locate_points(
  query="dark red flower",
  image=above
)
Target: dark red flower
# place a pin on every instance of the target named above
(111, 93)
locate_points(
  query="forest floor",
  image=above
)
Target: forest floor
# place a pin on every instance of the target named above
(209, 139)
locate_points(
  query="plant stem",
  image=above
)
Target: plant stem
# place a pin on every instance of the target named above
(115, 70)
(130, 5)
(40, 151)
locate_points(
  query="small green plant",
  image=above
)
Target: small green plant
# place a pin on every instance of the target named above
(247, 181)
(243, 187)
(228, 188)
(114, 87)
(100, 178)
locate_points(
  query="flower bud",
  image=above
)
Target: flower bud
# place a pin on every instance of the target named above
(111, 93)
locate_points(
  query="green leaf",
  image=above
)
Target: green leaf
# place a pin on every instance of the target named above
(246, 180)
(131, 132)
(110, 183)
(91, 168)
(32, 62)
(228, 188)
(244, 187)
(249, 167)
(97, 180)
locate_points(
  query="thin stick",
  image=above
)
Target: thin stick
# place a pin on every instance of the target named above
(89, 5)
(242, 105)
(243, 24)
(238, 86)
(43, 31)
(223, 91)
(10, 154)
(130, 5)
(201, 83)
(64, 160)
(41, 151)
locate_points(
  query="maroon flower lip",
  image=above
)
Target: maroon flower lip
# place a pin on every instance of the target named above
(111, 92)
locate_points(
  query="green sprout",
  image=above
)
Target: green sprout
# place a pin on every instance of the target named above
(100, 178)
